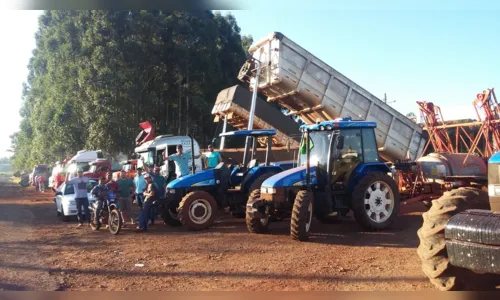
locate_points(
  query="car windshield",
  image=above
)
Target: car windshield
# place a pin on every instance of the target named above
(40, 170)
(318, 147)
(126, 167)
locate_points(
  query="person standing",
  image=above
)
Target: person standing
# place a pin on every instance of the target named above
(213, 158)
(80, 183)
(149, 198)
(160, 184)
(140, 186)
(181, 160)
(40, 182)
(111, 183)
(125, 190)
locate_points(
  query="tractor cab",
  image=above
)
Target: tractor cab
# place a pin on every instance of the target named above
(239, 171)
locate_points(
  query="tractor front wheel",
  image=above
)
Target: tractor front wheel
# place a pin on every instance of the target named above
(255, 224)
(375, 201)
(302, 215)
(197, 210)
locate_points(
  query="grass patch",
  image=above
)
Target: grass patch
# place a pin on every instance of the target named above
(15, 179)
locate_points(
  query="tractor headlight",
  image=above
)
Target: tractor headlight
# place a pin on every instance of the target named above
(267, 190)
(493, 190)
(171, 191)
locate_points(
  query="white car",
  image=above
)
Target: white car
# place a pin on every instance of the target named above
(65, 200)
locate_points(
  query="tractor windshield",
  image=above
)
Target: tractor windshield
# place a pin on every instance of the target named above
(318, 147)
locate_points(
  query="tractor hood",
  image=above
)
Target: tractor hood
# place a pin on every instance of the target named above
(203, 178)
(295, 176)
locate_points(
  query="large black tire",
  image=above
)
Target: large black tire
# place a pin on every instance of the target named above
(255, 186)
(382, 203)
(432, 248)
(254, 224)
(203, 200)
(170, 216)
(302, 215)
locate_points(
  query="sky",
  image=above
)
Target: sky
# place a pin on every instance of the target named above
(412, 51)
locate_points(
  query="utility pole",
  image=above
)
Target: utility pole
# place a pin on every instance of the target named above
(385, 99)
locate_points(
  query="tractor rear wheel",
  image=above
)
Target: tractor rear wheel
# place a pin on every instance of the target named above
(432, 248)
(255, 224)
(302, 215)
(197, 210)
(375, 201)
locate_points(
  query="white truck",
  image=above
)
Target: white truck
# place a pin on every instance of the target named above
(314, 91)
(151, 152)
(82, 159)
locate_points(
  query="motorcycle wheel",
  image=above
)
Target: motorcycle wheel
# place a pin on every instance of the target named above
(115, 221)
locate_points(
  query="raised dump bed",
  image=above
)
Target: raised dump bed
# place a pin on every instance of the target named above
(234, 103)
(313, 90)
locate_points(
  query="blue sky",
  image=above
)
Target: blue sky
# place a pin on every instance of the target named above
(446, 57)
(411, 50)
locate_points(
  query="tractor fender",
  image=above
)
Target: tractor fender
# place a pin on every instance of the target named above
(203, 178)
(361, 170)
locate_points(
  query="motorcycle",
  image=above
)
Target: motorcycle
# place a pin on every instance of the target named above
(110, 214)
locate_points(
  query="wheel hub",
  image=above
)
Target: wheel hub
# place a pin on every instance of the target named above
(379, 201)
(200, 211)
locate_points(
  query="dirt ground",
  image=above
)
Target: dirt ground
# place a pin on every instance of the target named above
(41, 252)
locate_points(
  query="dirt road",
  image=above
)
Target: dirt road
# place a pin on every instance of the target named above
(41, 252)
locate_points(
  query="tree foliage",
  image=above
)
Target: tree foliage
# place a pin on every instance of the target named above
(94, 75)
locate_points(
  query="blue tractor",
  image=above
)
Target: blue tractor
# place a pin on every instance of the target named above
(338, 171)
(195, 199)
(460, 235)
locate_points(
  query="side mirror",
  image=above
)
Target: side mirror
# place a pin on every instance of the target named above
(58, 193)
(340, 142)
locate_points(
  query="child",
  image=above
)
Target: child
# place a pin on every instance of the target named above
(40, 179)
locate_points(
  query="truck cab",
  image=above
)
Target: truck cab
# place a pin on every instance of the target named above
(154, 151)
(98, 168)
(82, 159)
(129, 166)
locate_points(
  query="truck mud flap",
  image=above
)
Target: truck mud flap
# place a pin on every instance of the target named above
(473, 241)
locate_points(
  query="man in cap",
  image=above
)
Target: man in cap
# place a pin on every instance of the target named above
(160, 185)
(80, 184)
(149, 198)
(100, 192)
(181, 160)
(213, 157)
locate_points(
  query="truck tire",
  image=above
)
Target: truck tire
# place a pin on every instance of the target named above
(374, 209)
(432, 248)
(302, 215)
(254, 224)
(188, 209)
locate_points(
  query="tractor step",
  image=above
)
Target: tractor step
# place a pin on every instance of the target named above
(473, 241)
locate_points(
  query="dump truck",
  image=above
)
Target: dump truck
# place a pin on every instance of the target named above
(234, 104)
(309, 88)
